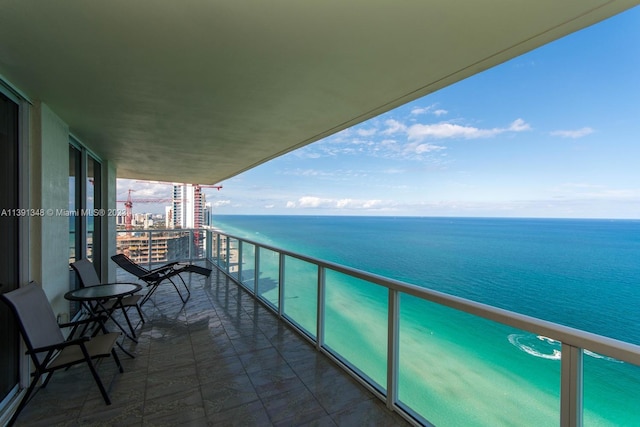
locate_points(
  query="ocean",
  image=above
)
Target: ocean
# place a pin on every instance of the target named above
(456, 369)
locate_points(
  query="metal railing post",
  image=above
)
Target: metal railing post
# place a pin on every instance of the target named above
(281, 285)
(320, 308)
(218, 238)
(256, 273)
(207, 251)
(228, 255)
(150, 247)
(571, 386)
(393, 326)
(240, 258)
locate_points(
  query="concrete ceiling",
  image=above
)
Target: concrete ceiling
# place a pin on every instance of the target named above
(199, 91)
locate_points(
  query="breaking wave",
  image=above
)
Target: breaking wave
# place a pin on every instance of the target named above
(547, 348)
(537, 345)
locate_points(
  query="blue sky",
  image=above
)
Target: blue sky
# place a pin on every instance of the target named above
(552, 133)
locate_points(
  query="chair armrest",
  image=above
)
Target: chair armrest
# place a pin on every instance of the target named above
(76, 341)
(82, 321)
(161, 272)
(163, 268)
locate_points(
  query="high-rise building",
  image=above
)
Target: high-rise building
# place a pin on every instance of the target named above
(187, 207)
(208, 215)
(168, 217)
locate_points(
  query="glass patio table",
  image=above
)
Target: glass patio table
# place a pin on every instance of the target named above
(93, 299)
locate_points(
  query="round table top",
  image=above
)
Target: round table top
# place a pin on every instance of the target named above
(104, 291)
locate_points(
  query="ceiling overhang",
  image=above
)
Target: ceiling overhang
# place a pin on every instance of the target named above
(199, 91)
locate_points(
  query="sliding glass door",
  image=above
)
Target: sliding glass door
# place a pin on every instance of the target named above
(84, 202)
(9, 242)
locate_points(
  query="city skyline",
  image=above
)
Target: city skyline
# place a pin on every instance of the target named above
(551, 133)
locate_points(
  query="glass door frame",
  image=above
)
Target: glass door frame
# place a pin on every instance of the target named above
(87, 199)
(9, 401)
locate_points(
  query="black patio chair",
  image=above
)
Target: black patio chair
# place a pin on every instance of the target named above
(46, 345)
(89, 277)
(153, 278)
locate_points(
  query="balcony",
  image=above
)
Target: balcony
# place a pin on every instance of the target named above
(278, 338)
(221, 359)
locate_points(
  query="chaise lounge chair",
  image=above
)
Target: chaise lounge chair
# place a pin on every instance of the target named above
(46, 345)
(153, 278)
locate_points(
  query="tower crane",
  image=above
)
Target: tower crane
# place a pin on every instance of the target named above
(128, 204)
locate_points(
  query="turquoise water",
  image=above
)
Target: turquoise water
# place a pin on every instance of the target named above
(457, 369)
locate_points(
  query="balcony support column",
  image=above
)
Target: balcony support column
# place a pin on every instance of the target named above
(571, 386)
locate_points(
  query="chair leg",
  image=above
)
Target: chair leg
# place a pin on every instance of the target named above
(96, 377)
(25, 399)
(186, 288)
(46, 381)
(140, 313)
(153, 287)
(184, 300)
(117, 360)
(126, 316)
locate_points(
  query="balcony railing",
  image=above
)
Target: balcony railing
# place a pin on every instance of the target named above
(149, 247)
(438, 358)
(430, 356)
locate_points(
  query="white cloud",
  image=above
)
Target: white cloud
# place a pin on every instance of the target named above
(393, 171)
(393, 126)
(444, 130)
(367, 132)
(311, 202)
(519, 125)
(576, 133)
(307, 202)
(220, 203)
(430, 109)
(343, 203)
(422, 148)
(417, 111)
(398, 139)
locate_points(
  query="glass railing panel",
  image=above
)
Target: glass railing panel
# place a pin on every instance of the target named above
(214, 246)
(269, 276)
(460, 369)
(198, 244)
(356, 322)
(222, 252)
(301, 293)
(233, 266)
(611, 391)
(248, 266)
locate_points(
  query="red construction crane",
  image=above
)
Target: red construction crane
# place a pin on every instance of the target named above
(128, 204)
